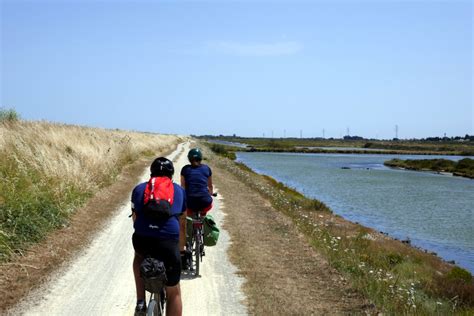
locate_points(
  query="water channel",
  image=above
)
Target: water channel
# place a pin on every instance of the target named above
(435, 211)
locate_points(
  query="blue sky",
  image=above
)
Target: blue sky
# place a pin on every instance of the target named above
(243, 67)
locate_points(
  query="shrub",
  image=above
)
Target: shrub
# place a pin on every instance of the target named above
(8, 115)
(223, 151)
(459, 274)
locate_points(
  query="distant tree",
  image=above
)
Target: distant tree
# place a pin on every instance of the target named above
(347, 137)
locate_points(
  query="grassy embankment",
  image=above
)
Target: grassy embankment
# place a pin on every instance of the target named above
(463, 167)
(48, 170)
(397, 278)
(385, 147)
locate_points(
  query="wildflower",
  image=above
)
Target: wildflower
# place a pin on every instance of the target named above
(439, 303)
(371, 271)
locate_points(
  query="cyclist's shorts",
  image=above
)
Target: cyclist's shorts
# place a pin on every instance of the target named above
(203, 203)
(166, 250)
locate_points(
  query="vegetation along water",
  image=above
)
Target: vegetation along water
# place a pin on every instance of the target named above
(434, 211)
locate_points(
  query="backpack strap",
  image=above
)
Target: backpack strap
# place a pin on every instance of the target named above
(152, 197)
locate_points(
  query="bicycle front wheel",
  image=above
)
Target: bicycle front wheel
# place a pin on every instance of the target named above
(153, 309)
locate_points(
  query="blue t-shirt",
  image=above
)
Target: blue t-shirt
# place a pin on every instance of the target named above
(167, 229)
(195, 178)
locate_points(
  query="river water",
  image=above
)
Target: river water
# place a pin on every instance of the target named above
(435, 211)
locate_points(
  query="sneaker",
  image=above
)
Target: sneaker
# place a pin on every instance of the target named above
(140, 309)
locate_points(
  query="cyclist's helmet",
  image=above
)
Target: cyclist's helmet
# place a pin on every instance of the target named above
(162, 167)
(195, 154)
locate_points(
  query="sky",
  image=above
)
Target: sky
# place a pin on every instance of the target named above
(250, 68)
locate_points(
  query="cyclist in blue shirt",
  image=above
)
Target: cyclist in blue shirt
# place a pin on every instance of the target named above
(159, 239)
(196, 179)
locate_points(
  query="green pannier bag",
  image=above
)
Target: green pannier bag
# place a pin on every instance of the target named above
(210, 231)
(189, 229)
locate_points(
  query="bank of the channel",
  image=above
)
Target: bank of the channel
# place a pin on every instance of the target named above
(433, 211)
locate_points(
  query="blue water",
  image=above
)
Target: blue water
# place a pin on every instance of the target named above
(435, 211)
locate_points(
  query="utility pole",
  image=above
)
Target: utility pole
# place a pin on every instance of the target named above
(301, 133)
(284, 133)
(324, 133)
(396, 131)
(348, 132)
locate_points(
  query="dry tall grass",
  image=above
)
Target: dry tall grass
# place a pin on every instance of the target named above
(75, 154)
(49, 169)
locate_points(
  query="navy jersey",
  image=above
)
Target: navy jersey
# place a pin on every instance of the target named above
(167, 229)
(195, 178)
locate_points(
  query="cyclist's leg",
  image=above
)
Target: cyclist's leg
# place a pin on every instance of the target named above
(182, 232)
(171, 258)
(139, 286)
(140, 245)
(174, 305)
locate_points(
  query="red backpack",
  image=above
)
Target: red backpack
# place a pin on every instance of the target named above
(158, 198)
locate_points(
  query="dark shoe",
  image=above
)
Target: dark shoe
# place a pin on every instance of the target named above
(140, 309)
(184, 261)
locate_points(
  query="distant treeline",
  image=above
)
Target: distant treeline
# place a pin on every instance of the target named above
(463, 167)
(235, 137)
(461, 147)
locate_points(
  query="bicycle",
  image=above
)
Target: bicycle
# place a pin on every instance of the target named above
(155, 285)
(196, 245)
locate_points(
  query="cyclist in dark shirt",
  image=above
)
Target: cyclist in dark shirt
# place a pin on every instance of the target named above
(196, 179)
(159, 239)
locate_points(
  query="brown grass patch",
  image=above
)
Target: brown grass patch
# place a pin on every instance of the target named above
(284, 274)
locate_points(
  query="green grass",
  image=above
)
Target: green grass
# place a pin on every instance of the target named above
(397, 278)
(463, 167)
(31, 205)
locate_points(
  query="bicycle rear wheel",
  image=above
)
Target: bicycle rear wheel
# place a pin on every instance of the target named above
(153, 309)
(197, 251)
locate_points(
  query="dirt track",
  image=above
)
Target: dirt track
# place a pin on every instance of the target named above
(100, 281)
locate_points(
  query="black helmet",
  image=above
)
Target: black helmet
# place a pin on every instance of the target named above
(195, 154)
(162, 167)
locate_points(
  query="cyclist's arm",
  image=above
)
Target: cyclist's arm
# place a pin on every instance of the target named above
(183, 182)
(134, 215)
(210, 187)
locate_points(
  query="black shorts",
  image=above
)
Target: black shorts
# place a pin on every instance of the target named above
(164, 250)
(196, 203)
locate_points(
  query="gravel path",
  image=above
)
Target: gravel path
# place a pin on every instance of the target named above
(100, 281)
